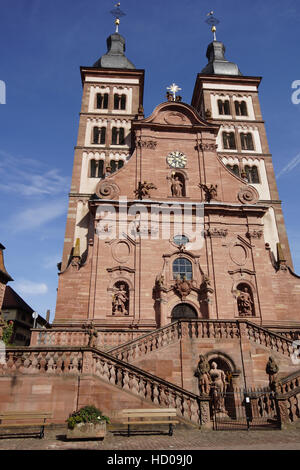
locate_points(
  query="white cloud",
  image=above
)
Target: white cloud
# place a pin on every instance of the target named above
(290, 166)
(28, 287)
(34, 217)
(29, 177)
(50, 262)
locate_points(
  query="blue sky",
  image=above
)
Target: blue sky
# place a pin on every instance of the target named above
(42, 46)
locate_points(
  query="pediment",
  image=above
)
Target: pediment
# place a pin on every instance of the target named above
(174, 114)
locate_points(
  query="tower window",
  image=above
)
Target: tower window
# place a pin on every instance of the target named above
(99, 135)
(224, 107)
(97, 169)
(116, 165)
(229, 140)
(102, 101)
(252, 174)
(182, 268)
(119, 101)
(241, 108)
(247, 141)
(118, 136)
(234, 169)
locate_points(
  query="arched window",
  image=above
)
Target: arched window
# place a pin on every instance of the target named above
(182, 268)
(234, 169)
(229, 141)
(102, 101)
(116, 165)
(96, 169)
(100, 169)
(118, 136)
(99, 135)
(93, 169)
(247, 141)
(245, 301)
(119, 101)
(241, 108)
(252, 174)
(224, 107)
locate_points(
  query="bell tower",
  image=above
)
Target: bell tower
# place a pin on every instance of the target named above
(112, 98)
(223, 95)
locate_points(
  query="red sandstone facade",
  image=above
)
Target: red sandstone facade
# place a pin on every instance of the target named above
(135, 307)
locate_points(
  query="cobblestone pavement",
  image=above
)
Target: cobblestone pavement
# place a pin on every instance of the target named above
(182, 439)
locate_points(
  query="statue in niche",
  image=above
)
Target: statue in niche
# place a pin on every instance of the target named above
(272, 371)
(176, 186)
(245, 303)
(202, 373)
(210, 191)
(120, 299)
(218, 387)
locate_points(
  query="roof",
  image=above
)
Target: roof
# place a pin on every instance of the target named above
(13, 300)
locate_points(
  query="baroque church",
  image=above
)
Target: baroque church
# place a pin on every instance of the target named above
(138, 302)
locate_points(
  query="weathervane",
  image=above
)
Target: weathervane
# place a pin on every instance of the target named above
(117, 13)
(212, 21)
(174, 89)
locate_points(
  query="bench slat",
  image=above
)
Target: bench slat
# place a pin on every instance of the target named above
(150, 410)
(147, 415)
(150, 422)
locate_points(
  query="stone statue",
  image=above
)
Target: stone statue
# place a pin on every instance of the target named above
(93, 335)
(272, 371)
(144, 189)
(176, 186)
(218, 387)
(202, 373)
(210, 191)
(120, 299)
(245, 303)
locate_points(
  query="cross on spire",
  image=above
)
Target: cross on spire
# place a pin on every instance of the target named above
(174, 89)
(117, 13)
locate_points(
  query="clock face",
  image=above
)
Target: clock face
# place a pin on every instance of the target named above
(176, 159)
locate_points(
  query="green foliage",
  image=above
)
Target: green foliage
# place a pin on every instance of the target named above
(87, 414)
(7, 332)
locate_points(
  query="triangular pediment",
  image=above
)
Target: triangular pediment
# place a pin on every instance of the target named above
(175, 115)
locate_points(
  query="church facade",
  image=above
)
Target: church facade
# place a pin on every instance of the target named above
(175, 247)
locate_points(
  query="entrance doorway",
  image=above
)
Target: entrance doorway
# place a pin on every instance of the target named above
(184, 312)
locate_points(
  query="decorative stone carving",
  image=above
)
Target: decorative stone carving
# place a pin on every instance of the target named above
(148, 144)
(202, 373)
(207, 147)
(216, 233)
(93, 335)
(245, 303)
(175, 118)
(176, 186)
(107, 190)
(144, 189)
(218, 387)
(210, 191)
(120, 299)
(238, 254)
(248, 195)
(3, 325)
(254, 234)
(272, 371)
(183, 287)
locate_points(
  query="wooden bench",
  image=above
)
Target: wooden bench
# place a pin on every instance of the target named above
(149, 416)
(24, 419)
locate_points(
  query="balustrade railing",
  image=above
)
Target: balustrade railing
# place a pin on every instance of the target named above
(49, 360)
(270, 340)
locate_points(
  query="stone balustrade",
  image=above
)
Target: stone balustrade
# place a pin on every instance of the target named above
(270, 340)
(66, 360)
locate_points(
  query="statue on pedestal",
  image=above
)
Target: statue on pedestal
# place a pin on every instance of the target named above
(202, 373)
(272, 371)
(218, 387)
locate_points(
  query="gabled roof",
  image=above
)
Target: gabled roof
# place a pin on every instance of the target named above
(13, 300)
